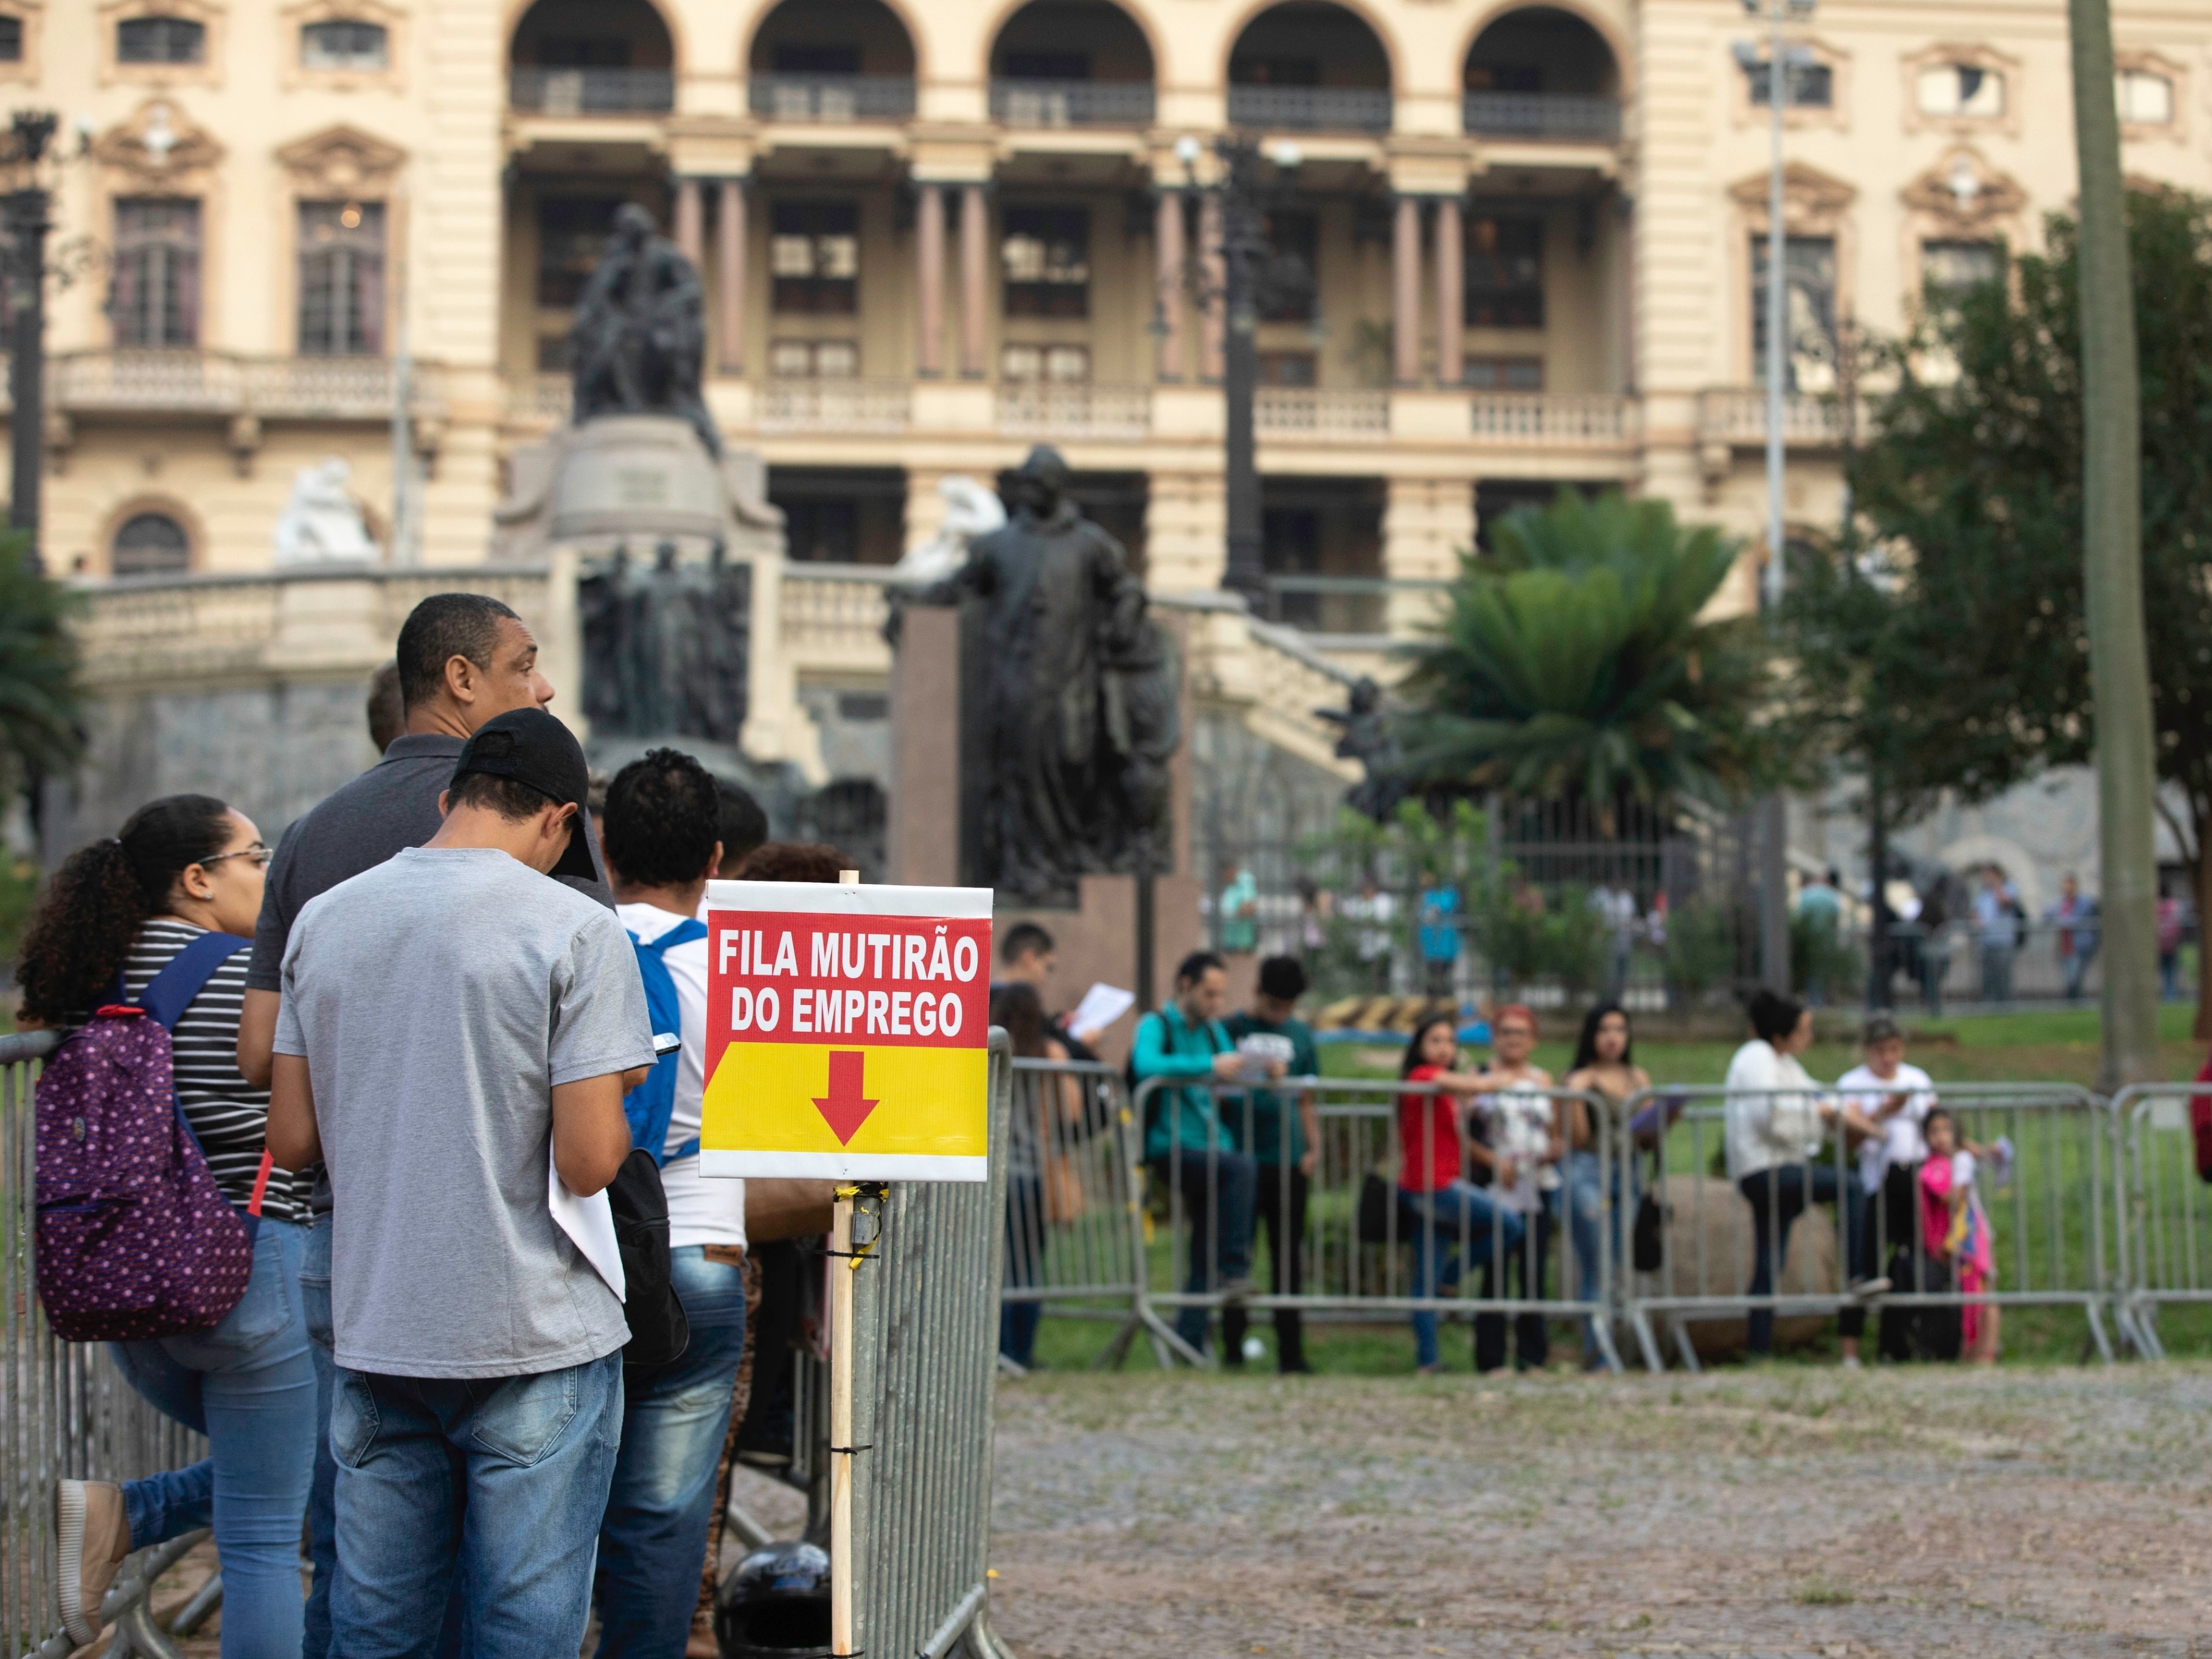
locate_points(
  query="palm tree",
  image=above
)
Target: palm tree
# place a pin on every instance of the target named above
(1574, 663)
(39, 699)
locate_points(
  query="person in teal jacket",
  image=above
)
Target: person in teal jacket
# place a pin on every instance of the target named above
(1186, 1148)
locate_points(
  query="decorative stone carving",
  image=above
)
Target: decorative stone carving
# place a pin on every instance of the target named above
(342, 161)
(321, 523)
(971, 511)
(158, 148)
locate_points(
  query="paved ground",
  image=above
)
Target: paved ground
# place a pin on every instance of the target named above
(1788, 1511)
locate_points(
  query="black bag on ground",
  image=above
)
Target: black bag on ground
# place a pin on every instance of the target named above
(1647, 1237)
(659, 1332)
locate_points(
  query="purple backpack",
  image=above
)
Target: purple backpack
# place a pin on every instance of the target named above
(135, 1239)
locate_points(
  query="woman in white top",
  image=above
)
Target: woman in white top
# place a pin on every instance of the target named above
(1776, 1122)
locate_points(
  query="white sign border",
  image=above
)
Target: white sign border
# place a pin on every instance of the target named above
(823, 898)
(841, 1166)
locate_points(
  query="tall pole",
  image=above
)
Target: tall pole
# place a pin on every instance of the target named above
(1241, 239)
(2111, 551)
(1774, 812)
(27, 225)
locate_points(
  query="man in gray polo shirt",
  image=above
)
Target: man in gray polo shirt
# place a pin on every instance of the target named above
(462, 659)
(456, 1035)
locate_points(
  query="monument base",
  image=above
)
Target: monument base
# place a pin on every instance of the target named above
(638, 479)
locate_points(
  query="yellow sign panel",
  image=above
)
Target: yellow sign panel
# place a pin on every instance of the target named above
(847, 1030)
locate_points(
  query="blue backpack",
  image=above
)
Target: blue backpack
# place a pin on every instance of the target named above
(650, 1105)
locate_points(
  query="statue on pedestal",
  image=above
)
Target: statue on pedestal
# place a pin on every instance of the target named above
(666, 650)
(1070, 700)
(1366, 737)
(641, 331)
(321, 522)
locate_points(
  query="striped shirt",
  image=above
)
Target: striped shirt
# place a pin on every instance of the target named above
(229, 1114)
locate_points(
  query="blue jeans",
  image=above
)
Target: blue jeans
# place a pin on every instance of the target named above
(1583, 1195)
(501, 1481)
(322, 1533)
(248, 1385)
(1220, 1232)
(1025, 1242)
(1777, 1196)
(1435, 1223)
(653, 1539)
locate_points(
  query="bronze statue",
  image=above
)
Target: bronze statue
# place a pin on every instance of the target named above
(641, 331)
(1069, 699)
(666, 650)
(1366, 737)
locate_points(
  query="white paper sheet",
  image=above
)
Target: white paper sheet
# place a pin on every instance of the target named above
(590, 1224)
(1102, 1005)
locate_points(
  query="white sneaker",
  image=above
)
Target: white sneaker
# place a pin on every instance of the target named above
(94, 1534)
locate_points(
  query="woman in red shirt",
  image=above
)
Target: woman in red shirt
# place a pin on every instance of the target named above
(1447, 1215)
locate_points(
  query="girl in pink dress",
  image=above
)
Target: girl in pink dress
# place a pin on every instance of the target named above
(1954, 1226)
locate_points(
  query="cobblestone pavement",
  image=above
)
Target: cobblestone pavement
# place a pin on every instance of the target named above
(1782, 1511)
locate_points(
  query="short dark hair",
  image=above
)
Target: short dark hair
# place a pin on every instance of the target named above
(1193, 968)
(511, 798)
(1022, 939)
(663, 819)
(1773, 1015)
(743, 825)
(793, 860)
(1282, 978)
(440, 628)
(387, 709)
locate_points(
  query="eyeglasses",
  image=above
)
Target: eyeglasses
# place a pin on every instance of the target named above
(260, 856)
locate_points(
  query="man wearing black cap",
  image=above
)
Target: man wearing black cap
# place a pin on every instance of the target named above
(456, 1035)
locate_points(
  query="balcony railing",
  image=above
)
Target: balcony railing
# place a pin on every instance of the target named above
(832, 615)
(1592, 421)
(540, 399)
(1737, 414)
(185, 382)
(1306, 412)
(797, 405)
(547, 91)
(1047, 409)
(1021, 103)
(833, 97)
(1557, 115)
(1310, 109)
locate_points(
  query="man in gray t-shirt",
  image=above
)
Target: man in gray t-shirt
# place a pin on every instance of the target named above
(457, 1031)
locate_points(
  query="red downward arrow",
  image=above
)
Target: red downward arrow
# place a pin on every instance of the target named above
(846, 1109)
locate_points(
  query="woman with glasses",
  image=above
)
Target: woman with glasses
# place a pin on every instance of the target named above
(113, 916)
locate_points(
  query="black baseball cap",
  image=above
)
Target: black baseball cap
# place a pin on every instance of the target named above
(529, 746)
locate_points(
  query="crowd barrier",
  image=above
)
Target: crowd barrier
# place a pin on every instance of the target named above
(2167, 1233)
(1095, 1229)
(65, 1413)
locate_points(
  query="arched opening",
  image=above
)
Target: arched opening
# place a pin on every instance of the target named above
(1542, 73)
(832, 60)
(593, 58)
(1309, 65)
(1071, 63)
(150, 544)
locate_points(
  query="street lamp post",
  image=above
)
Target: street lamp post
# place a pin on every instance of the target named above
(28, 223)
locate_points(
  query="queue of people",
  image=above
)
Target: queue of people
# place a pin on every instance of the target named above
(415, 1044)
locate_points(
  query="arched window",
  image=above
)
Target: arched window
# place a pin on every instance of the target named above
(593, 58)
(11, 39)
(161, 40)
(343, 43)
(151, 544)
(1309, 64)
(1543, 73)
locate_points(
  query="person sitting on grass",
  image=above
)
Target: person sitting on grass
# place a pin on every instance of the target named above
(1956, 1228)
(1442, 1204)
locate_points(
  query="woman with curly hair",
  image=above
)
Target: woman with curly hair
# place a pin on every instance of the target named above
(112, 917)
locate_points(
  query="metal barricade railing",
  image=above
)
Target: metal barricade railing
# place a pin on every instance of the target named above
(1359, 1236)
(926, 1328)
(2167, 1233)
(2052, 1243)
(65, 1413)
(1074, 1233)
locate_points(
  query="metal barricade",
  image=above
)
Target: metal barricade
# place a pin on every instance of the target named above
(1362, 1235)
(2167, 1236)
(2051, 1245)
(65, 1413)
(926, 1328)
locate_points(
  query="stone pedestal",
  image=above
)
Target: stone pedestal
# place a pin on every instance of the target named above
(1098, 939)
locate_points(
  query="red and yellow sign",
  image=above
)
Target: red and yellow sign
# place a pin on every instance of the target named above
(847, 1032)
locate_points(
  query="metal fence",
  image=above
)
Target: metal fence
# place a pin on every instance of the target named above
(65, 1413)
(2167, 1233)
(925, 1333)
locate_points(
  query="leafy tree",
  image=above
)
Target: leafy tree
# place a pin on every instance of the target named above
(1975, 671)
(39, 696)
(1576, 662)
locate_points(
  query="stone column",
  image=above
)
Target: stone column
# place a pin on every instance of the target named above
(731, 246)
(1451, 295)
(1406, 292)
(1167, 248)
(1215, 335)
(1426, 524)
(929, 285)
(690, 221)
(975, 279)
